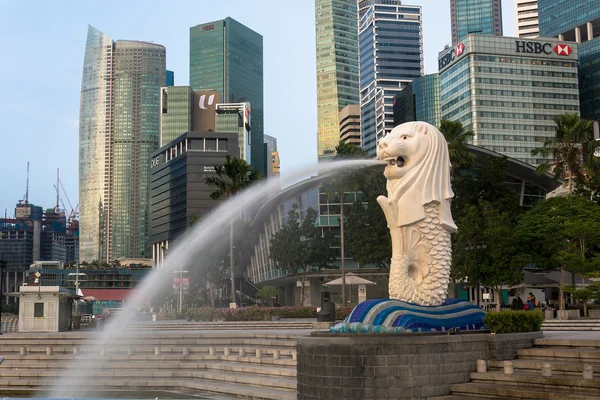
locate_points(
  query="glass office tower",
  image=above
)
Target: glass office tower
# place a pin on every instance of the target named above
(337, 68)
(176, 112)
(482, 17)
(391, 56)
(578, 21)
(227, 56)
(508, 90)
(118, 131)
(419, 101)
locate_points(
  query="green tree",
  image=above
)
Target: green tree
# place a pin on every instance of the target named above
(268, 293)
(556, 234)
(367, 235)
(341, 183)
(486, 249)
(457, 139)
(300, 247)
(592, 292)
(232, 177)
(572, 151)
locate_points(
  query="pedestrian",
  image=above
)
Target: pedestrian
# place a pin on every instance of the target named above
(531, 301)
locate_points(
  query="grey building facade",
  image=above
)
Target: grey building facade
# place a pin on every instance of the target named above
(178, 191)
(508, 90)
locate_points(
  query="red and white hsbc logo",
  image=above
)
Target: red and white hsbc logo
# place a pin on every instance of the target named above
(448, 58)
(523, 46)
(562, 49)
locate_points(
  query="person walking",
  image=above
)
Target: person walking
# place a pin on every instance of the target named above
(531, 302)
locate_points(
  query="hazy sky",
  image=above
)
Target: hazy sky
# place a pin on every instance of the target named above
(43, 46)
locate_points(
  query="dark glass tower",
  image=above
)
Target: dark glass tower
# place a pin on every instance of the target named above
(578, 21)
(228, 57)
(482, 17)
(391, 56)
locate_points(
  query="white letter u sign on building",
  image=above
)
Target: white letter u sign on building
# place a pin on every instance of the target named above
(211, 99)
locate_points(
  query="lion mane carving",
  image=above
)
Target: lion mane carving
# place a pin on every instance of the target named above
(417, 211)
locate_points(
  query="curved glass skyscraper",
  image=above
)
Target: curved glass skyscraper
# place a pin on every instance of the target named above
(118, 131)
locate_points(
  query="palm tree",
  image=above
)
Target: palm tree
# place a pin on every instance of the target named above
(572, 150)
(232, 177)
(345, 151)
(457, 139)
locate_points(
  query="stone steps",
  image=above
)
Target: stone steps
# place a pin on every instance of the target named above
(500, 391)
(231, 388)
(141, 369)
(277, 367)
(553, 343)
(535, 381)
(280, 325)
(560, 354)
(110, 350)
(532, 366)
(571, 325)
(148, 358)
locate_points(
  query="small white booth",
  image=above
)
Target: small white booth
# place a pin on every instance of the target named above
(44, 309)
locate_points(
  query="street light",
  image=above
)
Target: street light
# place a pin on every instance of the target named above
(77, 275)
(181, 272)
(471, 248)
(2, 267)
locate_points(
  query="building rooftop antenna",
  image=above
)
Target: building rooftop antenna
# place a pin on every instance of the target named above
(57, 208)
(27, 186)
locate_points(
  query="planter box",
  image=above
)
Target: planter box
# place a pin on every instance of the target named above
(567, 314)
(549, 313)
(594, 314)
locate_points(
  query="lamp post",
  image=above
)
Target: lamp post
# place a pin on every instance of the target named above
(2, 266)
(77, 274)
(476, 247)
(181, 272)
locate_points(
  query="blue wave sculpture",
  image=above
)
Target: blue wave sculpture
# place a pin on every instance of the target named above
(389, 315)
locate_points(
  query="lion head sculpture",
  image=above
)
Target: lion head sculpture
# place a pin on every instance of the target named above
(418, 172)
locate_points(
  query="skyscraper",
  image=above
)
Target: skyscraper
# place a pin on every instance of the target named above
(578, 21)
(419, 101)
(391, 56)
(350, 125)
(482, 17)
(272, 156)
(227, 56)
(526, 18)
(118, 131)
(237, 118)
(507, 90)
(337, 68)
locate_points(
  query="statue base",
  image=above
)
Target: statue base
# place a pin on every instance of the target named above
(390, 315)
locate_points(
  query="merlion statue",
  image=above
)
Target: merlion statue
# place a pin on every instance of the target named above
(417, 211)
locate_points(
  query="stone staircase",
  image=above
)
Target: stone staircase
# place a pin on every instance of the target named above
(239, 364)
(229, 325)
(571, 325)
(567, 359)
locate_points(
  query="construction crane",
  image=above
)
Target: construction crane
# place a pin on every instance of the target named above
(73, 213)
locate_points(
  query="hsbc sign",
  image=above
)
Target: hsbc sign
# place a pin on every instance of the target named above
(523, 46)
(449, 57)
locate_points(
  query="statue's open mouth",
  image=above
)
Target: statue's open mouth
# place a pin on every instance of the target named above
(399, 162)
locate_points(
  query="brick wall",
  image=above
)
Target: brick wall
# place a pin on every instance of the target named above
(409, 366)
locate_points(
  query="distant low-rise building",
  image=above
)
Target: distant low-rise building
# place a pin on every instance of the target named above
(350, 124)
